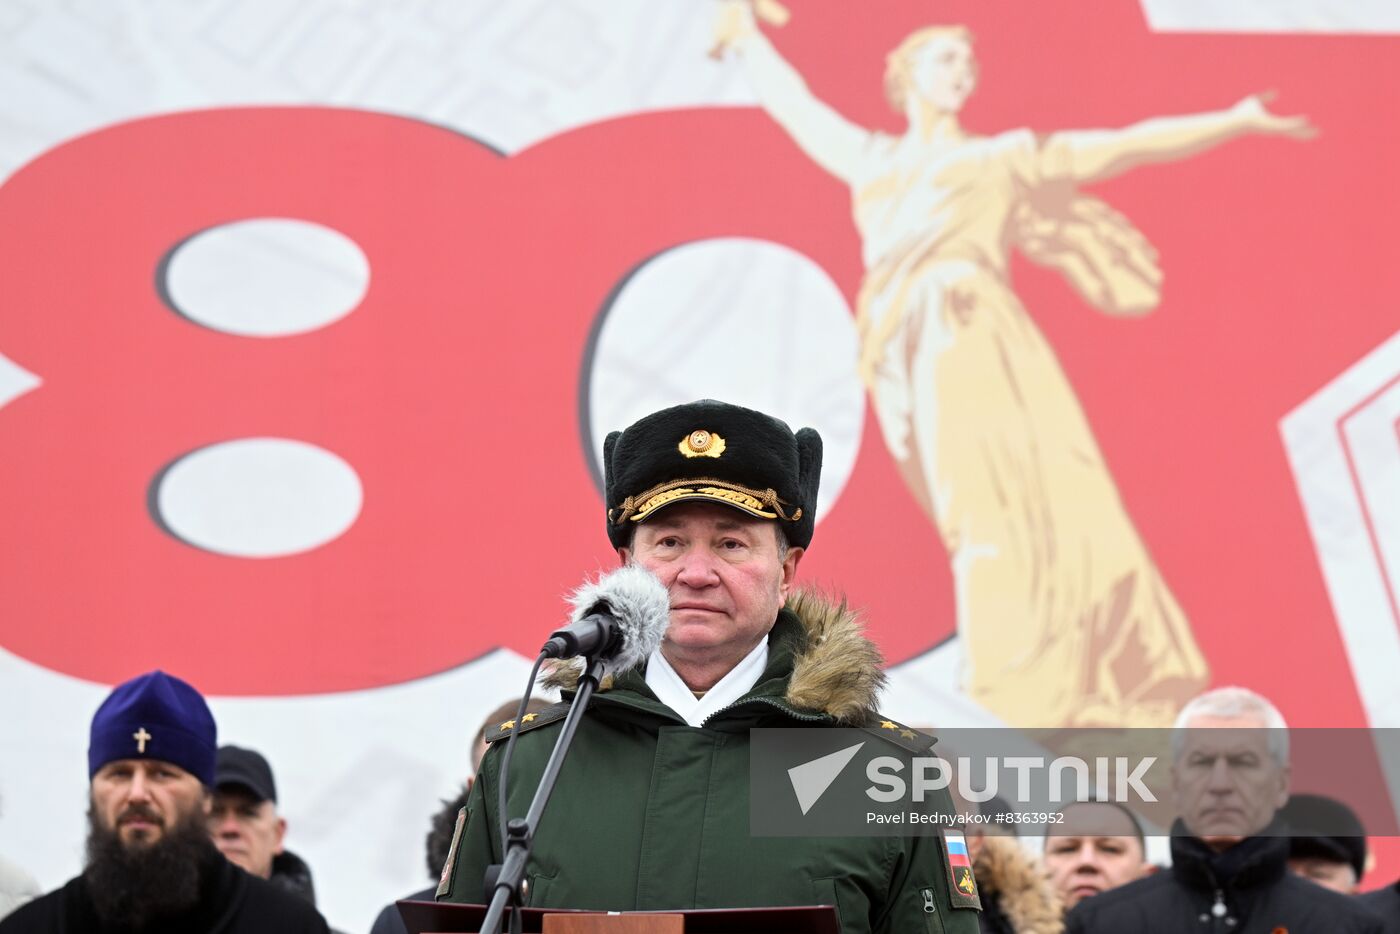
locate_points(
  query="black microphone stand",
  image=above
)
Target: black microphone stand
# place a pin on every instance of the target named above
(520, 832)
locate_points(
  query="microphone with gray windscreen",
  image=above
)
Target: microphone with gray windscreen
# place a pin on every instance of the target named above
(621, 617)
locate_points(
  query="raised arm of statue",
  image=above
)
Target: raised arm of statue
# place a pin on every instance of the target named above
(1086, 156)
(829, 139)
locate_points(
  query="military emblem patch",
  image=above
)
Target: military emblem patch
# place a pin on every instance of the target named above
(962, 885)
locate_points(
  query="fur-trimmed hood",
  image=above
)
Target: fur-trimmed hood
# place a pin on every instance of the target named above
(836, 669)
(1011, 877)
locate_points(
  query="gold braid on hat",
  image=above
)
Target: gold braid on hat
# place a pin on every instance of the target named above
(768, 498)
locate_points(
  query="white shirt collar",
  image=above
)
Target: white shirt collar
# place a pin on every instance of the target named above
(671, 690)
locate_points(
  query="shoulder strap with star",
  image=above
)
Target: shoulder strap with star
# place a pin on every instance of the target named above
(528, 722)
(905, 737)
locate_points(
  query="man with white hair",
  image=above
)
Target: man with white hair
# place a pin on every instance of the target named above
(1230, 776)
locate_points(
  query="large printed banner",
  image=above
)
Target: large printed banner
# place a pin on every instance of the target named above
(313, 318)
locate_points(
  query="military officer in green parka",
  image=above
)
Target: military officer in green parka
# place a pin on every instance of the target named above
(651, 810)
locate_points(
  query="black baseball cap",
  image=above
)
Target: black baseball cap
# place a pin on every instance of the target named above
(245, 768)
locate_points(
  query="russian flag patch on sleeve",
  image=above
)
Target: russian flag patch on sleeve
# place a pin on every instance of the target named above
(962, 886)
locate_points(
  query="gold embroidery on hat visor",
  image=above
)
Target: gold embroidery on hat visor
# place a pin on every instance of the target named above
(765, 504)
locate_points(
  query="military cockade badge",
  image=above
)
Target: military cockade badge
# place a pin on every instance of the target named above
(702, 443)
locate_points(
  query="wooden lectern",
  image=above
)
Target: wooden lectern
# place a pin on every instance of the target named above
(444, 918)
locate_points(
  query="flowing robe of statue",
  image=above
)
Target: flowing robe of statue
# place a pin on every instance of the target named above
(1062, 614)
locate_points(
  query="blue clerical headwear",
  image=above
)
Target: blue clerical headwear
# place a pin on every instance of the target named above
(155, 716)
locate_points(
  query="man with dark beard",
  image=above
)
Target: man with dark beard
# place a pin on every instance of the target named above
(151, 867)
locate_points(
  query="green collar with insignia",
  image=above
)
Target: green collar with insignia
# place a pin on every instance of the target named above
(628, 697)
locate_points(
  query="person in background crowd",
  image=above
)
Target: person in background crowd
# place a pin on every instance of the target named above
(1098, 846)
(151, 866)
(1334, 854)
(444, 822)
(1327, 843)
(16, 887)
(246, 826)
(1017, 897)
(1230, 776)
(1385, 905)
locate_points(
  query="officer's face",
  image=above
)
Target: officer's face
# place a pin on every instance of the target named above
(1228, 784)
(246, 830)
(143, 800)
(725, 579)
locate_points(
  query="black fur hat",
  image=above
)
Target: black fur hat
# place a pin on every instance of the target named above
(1324, 828)
(713, 451)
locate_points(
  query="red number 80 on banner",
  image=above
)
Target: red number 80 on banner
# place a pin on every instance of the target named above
(451, 391)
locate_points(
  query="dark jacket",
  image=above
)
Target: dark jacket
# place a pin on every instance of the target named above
(1244, 890)
(231, 902)
(291, 874)
(651, 813)
(1384, 904)
(390, 921)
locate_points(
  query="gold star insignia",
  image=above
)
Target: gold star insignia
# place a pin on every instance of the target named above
(887, 725)
(907, 734)
(528, 717)
(508, 725)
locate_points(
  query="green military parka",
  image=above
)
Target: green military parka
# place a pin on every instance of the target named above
(650, 813)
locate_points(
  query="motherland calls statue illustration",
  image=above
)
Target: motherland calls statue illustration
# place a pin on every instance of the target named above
(1062, 614)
